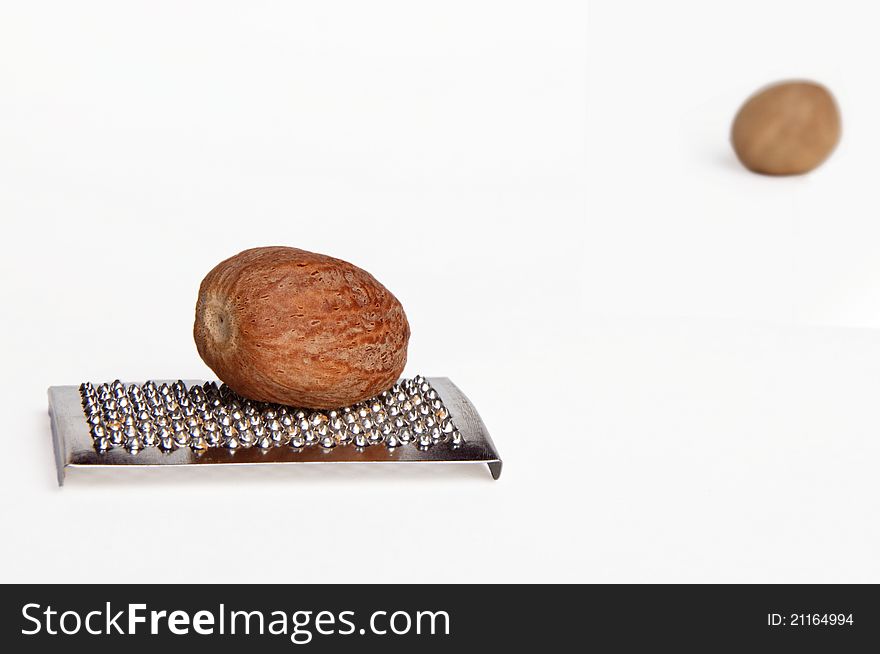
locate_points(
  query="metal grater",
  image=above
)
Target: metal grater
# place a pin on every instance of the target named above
(418, 420)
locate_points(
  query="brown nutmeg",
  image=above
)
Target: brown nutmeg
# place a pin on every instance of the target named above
(788, 128)
(278, 324)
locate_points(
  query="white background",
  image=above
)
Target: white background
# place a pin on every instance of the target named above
(675, 357)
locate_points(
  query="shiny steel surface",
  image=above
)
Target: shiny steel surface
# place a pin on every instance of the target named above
(95, 427)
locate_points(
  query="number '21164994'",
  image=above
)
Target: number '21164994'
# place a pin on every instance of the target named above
(809, 619)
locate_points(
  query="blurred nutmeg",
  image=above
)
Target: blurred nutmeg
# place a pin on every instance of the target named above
(278, 324)
(788, 128)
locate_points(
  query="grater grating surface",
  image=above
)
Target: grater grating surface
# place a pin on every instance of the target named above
(173, 423)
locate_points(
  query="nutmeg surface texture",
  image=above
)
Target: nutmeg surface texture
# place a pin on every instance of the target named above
(788, 128)
(279, 324)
